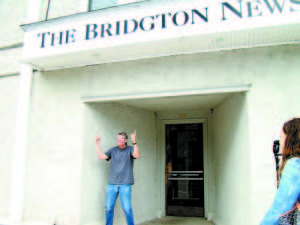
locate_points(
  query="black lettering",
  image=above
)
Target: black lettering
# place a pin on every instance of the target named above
(276, 5)
(195, 11)
(60, 38)
(68, 35)
(107, 30)
(43, 38)
(250, 9)
(186, 18)
(295, 2)
(236, 12)
(88, 31)
(118, 28)
(142, 23)
(163, 19)
(126, 26)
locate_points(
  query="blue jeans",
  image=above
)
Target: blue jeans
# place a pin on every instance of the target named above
(112, 192)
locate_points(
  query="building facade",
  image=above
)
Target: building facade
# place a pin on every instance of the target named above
(206, 85)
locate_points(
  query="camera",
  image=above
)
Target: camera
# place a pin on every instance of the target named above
(276, 147)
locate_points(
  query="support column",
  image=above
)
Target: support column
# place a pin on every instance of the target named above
(17, 187)
(20, 145)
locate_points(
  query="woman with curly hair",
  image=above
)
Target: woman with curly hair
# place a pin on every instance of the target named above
(288, 193)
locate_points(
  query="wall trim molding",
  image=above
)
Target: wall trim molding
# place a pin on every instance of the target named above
(9, 75)
(12, 46)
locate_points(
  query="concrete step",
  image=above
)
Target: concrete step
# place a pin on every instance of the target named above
(172, 220)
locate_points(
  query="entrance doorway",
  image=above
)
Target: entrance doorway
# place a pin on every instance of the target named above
(184, 169)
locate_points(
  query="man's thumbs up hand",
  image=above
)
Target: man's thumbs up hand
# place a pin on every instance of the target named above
(133, 137)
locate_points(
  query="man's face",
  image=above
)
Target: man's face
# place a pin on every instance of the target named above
(121, 140)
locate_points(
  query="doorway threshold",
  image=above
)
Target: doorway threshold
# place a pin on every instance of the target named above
(174, 220)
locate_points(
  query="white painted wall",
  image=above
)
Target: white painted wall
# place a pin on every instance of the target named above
(273, 100)
(10, 61)
(232, 162)
(108, 119)
(55, 149)
(8, 98)
(57, 140)
(59, 8)
(12, 14)
(168, 73)
(272, 71)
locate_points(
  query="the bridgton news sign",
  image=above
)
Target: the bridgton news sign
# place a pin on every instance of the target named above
(161, 21)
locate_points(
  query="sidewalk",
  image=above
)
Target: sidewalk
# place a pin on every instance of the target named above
(170, 220)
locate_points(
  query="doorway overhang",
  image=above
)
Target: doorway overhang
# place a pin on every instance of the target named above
(196, 99)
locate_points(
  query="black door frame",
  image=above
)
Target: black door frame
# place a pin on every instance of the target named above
(165, 122)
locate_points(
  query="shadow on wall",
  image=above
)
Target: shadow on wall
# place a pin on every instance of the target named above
(232, 160)
(108, 119)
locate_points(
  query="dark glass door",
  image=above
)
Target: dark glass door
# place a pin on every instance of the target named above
(184, 170)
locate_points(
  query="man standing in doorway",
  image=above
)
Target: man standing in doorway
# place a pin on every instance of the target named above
(120, 176)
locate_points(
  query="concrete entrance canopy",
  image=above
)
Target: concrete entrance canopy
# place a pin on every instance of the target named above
(149, 113)
(155, 28)
(198, 99)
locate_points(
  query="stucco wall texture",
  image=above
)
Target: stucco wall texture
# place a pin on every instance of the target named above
(57, 120)
(108, 119)
(64, 179)
(232, 161)
(8, 98)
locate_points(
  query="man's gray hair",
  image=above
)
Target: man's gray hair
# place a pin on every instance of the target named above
(124, 134)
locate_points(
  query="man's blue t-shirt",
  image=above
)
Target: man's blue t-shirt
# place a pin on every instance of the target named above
(121, 168)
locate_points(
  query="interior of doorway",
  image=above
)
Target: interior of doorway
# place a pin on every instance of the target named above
(184, 190)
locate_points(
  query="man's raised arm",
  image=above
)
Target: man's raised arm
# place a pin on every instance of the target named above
(136, 152)
(99, 152)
